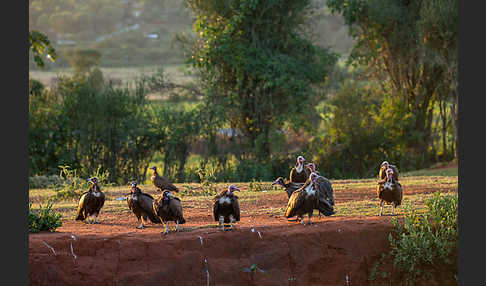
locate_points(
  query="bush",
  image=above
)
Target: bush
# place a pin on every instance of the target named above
(44, 219)
(425, 245)
(43, 182)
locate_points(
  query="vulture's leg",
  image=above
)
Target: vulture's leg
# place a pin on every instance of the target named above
(221, 221)
(310, 215)
(232, 219)
(141, 226)
(87, 217)
(381, 206)
(393, 208)
(177, 226)
(96, 218)
(302, 221)
(166, 227)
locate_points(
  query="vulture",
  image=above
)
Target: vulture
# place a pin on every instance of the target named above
(324, 191)
(289, 187)
(141, 205)
(91, 202)
(226, 208)
(382, 173)
(390, 192)
(304, 200)
(168, 208)
(299, 173)
(162, 183)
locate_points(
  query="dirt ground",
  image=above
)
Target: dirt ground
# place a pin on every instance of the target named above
(332, 251)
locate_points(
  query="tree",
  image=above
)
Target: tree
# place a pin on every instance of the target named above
(391, 41)
(39, 45)
(258, 65)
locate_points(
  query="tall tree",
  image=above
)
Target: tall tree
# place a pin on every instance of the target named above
(258, 64)
(390, 40)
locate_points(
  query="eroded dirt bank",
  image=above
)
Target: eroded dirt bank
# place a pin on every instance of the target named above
(324, 253)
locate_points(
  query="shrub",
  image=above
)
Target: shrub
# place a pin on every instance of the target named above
(44, 219)
(425, 245)
(43, 182)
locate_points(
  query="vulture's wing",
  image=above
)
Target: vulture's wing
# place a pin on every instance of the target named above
(292, 187)
(164, 184)
(292, 175)
(216, 208)
(324, 188)
(129, 201)
(175, 208)
(236, 207)
(295, 202)
(146, 203)
(80, 213)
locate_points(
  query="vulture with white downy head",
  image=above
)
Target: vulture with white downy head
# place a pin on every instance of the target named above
(162, 183)
(169, 208)
(90, 202)
(325, 192)
(226, 208)
(141, 204)
(304, 200)
(299, 172)
(382, 177)
(390, 191)
(289, 187)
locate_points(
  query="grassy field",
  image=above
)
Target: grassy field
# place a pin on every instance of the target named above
(352, 197)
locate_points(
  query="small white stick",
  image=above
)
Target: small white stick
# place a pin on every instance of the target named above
(259, 234)
(201, 239)
(72, 251)
(50, 248)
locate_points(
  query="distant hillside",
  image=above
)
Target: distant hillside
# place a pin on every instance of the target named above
(142, 32)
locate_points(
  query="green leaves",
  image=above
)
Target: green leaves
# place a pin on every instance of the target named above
(39, 45)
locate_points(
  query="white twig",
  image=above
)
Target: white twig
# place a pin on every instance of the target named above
(50, 248)
(207, 269)
(201, 239)
(259, 234)
(74, 237)
(72, 251)
(347, 279)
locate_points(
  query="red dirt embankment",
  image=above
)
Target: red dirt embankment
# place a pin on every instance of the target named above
(324, 253)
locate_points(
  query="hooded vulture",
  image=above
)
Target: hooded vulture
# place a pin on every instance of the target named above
(169, 208)
(289, 187)
(324, 191)
(162, 183)
(91, 202)
(141, 205)
(390, 191)
(299, 172)
(382, 177)
(304, 200)
(226, 208)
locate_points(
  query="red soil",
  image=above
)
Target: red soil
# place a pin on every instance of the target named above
(114, 252)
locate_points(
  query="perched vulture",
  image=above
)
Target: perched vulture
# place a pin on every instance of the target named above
(226, 208)
(91, 202)
(290, 187)
(325, 192)
(162, 183)
(141, 205)
(304, 200)
(390, 191)
(382, 173)
(169, 208)
(299, 173)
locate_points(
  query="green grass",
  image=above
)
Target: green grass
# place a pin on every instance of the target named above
(451, 171)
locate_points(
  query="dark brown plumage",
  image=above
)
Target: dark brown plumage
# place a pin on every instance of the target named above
(162, 183)
(390, 192)
(299, 172)
(289, 187)
(169, 208)
(91, 202)
(226, 208)
(324, 190)
(141, 205)
(303, 201)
